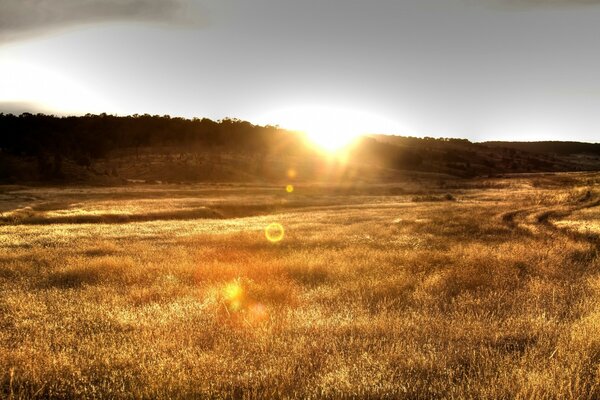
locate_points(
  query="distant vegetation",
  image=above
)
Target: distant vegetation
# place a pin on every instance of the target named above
(144, 147)
(554, 147)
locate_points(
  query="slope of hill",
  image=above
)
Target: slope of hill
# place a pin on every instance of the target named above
(461, 157)
(585, 155)
(551, 147)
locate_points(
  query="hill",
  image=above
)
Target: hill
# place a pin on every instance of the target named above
(107, 149)
(460, 157)
(551, 147)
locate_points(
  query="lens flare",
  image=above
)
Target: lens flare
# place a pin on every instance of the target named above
(257, 313)
(289, 188)
(274, 232)
(330, 128)
(233, 290)
(233, 294)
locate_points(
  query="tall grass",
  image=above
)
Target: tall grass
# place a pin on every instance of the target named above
(389, 299)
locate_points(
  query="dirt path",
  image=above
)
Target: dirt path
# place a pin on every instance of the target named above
(539, 219)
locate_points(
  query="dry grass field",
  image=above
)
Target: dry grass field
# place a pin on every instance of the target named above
(166, 291)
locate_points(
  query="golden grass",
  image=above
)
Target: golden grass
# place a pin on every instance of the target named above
(367, 296)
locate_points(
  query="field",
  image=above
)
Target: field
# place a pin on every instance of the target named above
(483, 288)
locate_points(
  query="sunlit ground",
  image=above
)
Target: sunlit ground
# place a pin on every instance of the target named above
(488, 293)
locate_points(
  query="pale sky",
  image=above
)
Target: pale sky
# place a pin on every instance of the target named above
(476, 69)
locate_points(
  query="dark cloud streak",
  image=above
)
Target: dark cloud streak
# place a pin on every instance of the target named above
(24, 18)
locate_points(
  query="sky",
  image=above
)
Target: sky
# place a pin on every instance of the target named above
(477, 69)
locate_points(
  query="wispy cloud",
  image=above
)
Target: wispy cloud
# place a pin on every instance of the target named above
(23, 18)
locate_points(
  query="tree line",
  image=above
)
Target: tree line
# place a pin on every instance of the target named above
(88, 137)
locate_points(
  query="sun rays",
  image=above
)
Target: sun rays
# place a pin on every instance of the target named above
(330, 128)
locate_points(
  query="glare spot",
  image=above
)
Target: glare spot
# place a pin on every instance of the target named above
(233, 295)
(291, 173)
(289, 188)
(274, 232)
(331, 128)
(233, 291)
(47, 89)
(235, 305)
(257, 313)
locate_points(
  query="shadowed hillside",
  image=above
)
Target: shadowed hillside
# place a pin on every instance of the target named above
(552, 147)
(460, 157)
(586, 155)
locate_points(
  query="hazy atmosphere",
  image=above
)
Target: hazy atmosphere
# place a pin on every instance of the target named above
(482, 70)
(272, 199)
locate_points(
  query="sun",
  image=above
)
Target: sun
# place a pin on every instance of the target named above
(331, 128)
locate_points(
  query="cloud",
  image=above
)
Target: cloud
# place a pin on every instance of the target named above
(22, 18)
(19, 107)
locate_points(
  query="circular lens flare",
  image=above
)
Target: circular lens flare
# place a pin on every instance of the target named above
(274, 232)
